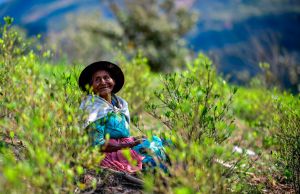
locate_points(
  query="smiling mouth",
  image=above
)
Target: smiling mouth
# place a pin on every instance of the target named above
(104, 88)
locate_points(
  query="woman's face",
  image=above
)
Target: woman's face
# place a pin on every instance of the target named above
(102, 83)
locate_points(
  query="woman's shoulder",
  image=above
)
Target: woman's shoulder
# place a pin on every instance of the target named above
(91, 101)
(86, 100)
(121, 101)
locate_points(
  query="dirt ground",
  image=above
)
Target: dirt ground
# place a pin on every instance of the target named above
(110, 181)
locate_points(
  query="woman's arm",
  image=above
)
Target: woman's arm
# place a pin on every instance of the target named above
(97, 134)
(112, 147)
(140, 137)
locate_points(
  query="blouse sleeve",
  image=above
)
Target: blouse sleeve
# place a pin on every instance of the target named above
(96, 133)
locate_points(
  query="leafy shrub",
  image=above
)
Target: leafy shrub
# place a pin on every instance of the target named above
(254, 110)
(195, 108)
(254, 105)
(272, 118)
(288, 137)
(193, 104)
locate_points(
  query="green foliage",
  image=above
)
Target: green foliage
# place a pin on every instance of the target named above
(193, 104)
(40, 123)
(255, 112)
(43, 148)
(137, 82)
(11, 46)
(254, 105)
(195, 108)
(272, 119)
(197, 168)
(156, 28)
(43, 145)
(288, 137)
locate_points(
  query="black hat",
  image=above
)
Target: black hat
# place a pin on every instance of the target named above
(113, 69)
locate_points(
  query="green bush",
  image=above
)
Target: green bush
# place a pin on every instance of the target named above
(288, 137)
(272, 120)
(254, 105)
(193, 103)
(195, 108)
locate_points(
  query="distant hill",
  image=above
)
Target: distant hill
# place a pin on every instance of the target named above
(283, 26)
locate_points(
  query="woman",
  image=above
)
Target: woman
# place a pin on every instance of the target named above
(108, 120)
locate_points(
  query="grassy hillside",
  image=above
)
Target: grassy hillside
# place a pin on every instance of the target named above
(226, 138)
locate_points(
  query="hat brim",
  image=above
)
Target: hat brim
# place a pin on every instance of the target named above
(114, 70)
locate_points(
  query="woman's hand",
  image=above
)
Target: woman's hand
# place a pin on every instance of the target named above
(136, 142)
(143, 137)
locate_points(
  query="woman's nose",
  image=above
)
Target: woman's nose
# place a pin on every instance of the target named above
(102, 81)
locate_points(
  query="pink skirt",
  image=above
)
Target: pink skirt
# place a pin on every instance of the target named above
(118, 161)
